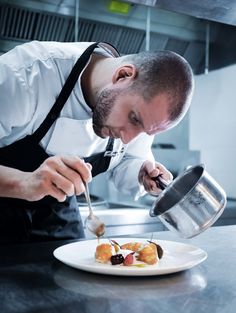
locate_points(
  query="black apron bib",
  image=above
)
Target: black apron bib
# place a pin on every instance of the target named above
(47, 219)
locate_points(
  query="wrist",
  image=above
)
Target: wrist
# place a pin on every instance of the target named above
(11, 181)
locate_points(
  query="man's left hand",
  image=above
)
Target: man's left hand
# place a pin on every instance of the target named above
(148, 171)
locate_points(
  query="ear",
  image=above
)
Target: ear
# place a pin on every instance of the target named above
(125, 72)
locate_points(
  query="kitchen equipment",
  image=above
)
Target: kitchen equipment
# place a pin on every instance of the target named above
(92, 222)
(160, 182)
(191, 203)
(96, 201)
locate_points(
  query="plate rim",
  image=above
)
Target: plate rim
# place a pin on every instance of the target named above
(99, 268)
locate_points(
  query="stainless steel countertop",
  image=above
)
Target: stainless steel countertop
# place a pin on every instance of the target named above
(33, 281)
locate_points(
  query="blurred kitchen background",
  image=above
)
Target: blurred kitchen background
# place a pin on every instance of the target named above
(202, 31)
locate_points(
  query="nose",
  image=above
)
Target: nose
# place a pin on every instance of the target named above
(127, 135)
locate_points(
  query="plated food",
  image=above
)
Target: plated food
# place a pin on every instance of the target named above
(132, 253)
(177, 257)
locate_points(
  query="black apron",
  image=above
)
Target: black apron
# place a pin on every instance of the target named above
(47, 219)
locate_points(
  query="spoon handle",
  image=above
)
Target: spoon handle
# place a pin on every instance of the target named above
(87, 196)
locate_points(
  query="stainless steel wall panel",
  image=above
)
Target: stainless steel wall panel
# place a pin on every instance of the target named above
(178, 46)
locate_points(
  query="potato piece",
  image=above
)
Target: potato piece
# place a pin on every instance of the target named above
(133, 246)
(103, 253)
(148, 254)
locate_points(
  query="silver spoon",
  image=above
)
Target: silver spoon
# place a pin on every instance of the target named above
(92, 222)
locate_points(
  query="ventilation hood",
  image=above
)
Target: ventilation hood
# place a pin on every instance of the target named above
(169, 28)
(223, 11)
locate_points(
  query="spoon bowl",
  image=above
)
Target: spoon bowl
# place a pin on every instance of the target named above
(94, 225)
(92, 222)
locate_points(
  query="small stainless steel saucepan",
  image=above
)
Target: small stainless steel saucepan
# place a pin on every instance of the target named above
(191, 203)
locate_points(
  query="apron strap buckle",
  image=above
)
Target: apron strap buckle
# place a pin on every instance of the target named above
(110, 153)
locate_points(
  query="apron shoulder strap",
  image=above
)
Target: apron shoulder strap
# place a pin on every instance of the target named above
(64, 94)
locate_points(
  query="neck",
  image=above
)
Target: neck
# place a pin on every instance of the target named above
(96, 76)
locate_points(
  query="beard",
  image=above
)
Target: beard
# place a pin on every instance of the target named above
(103, 108)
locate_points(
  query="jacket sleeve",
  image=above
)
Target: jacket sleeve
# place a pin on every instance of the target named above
(15, 108)
(125, 174)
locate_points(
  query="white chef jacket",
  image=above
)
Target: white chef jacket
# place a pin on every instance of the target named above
(31, 77)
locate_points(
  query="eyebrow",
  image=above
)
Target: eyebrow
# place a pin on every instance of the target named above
(148, 132)
(142, 124)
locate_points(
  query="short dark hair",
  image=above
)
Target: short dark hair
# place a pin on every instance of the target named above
(163, 72)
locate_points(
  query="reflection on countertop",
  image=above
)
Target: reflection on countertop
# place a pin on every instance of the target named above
(185, 283)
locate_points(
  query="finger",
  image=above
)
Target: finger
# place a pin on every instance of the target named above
(62, 176)
(74, 177)
(151, 169)
(151, 186)
(70, 170)
(89, 166)
(166, 174)
(154, 173)
(62, 183)
(79, 166)
(149, 166)
(57, 193)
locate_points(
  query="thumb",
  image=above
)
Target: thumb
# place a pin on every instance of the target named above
(89, 166)
(151, 168)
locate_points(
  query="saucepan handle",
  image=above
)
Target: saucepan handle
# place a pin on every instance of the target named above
(160, 182)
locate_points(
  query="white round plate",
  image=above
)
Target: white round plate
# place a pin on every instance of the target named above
(177, 257)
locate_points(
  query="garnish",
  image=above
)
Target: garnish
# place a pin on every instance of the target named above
(113, 242)
(129, 259)
(139, 265)
(117, 259)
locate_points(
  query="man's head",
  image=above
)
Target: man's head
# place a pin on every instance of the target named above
(150, 92)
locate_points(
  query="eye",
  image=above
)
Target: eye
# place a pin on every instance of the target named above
(134, 119)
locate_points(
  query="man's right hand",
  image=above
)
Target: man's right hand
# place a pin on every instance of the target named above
(58, 176)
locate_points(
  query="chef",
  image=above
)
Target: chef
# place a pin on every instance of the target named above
(70, 111)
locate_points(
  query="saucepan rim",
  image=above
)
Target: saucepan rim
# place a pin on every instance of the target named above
(162, 194)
